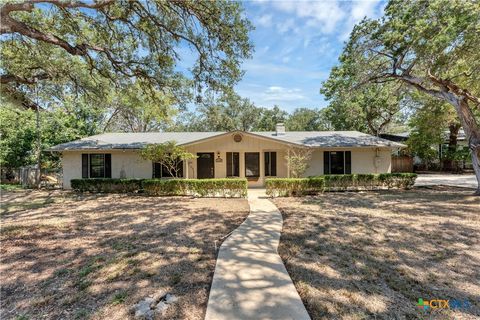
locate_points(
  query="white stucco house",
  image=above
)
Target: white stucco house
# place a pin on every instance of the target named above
(252, 155)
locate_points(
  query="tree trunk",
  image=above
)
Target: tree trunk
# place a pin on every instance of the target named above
(448, 163)
(472, 131)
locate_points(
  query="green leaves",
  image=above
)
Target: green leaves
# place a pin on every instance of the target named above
(119, 40)
(168, 154)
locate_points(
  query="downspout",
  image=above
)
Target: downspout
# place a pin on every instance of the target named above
(288, 163)
(377, 159)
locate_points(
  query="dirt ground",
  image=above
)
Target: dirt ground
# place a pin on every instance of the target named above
(372, 255)
(66, 256)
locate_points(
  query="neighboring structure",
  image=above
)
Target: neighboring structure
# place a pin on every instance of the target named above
(440, 149)
(253, 155)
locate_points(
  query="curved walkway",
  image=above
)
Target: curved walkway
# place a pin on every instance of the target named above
(250, 280)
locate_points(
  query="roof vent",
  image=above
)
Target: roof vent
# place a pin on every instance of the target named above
(280, 129)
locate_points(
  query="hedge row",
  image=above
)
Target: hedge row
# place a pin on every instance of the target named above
(228, 187)
(107, 185)
(346, 182)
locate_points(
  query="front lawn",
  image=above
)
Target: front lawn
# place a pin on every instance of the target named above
(374, 254)
(85, 256)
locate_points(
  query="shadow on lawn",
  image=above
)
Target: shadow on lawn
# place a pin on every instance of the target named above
(373, 255)
(95, 256)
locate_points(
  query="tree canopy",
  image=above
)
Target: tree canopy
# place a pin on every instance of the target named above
(85, 44)
(426, 46)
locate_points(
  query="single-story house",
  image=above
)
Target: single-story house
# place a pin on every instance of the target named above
(253, 155)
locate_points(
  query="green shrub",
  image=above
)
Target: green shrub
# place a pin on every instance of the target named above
(285, 187)
(107, 185)
(342, 182)
(227, 187)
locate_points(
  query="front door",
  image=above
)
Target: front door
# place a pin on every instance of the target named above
(205, 165)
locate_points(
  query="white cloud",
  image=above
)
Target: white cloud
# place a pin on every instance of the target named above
(285, 59)
(322, 14)
(358, 11)
(265, 20)
(328, 16)
(278, 94)
(288, 25)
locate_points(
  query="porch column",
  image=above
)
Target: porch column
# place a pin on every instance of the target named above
(288, 163)
(187, 167)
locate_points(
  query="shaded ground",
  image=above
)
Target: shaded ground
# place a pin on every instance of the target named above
(374, 254)
(73, 257)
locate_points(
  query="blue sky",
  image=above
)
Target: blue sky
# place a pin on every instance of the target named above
(296, 45)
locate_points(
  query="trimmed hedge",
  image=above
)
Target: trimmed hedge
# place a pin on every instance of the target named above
(106, 185)
(228, 187)
(345, 182)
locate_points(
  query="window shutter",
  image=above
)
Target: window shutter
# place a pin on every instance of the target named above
(84, 165)
(326, 162)
(108, 165)
(348, 162)
(273, 162)
(236, 164)
(266, 156)
(229, 164)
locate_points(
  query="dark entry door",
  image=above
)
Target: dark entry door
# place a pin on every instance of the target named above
(205, 165)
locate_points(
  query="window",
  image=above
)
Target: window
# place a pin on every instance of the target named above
(252, 164)
(337, 162)
(233, 164)
(96, 165)
(161, 171)
(270, 164)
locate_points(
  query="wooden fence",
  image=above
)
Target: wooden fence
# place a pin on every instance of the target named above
(402, 164)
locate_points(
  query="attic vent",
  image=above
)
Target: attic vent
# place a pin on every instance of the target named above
(237, 137)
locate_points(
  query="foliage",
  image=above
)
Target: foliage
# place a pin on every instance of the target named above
(298, 160)
(268, 118)
(370, 108)
(18, 132)
(428, 46)
(228, 187)
(227, 112)
(168, 154)
(17, 137)
(428, 125)
(133, 111)
(118, 40)
(288, 187)
(10, 187)
(107, 185)
(304, 119)
(352, 182)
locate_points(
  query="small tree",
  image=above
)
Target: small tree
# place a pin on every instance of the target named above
(168, 154)
(297, 161)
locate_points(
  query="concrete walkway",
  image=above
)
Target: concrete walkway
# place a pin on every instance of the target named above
(456, 180)
(250, 280)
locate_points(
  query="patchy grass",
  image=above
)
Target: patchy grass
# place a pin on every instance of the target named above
(10, 187)
(69, 256)
(374, 254)
(20, 200)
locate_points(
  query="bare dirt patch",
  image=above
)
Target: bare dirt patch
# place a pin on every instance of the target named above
(374, 254)
(66, 256)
